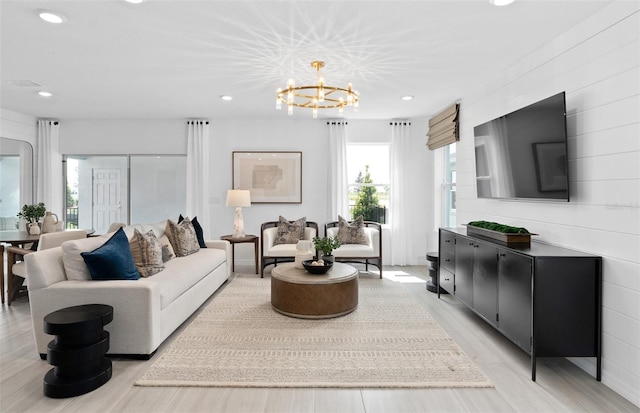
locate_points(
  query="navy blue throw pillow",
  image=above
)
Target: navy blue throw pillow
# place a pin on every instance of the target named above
(198, 228)
(112, 260)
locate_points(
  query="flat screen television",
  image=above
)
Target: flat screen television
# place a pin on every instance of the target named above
(523, 154)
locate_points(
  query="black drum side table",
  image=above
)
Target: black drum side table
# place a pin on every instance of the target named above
(77, 352)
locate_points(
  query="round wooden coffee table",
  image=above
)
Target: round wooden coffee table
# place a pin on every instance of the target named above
(297, 293)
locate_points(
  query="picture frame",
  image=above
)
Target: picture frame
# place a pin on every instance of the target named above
(551, 166)
(272, 177)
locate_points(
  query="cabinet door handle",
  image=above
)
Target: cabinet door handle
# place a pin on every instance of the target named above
(503, 255)
(447, 240)
(446, 279)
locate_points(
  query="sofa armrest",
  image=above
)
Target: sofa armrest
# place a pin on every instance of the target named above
(128, 298)
(222, 245)
(44, 268)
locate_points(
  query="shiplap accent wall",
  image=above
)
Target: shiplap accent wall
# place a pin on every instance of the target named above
(597, 64)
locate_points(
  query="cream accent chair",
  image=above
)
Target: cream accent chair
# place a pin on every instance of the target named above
(370, 253)
(274, 254)
(15, 260)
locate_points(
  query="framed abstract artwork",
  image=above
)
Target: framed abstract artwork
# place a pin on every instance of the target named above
(272, 177)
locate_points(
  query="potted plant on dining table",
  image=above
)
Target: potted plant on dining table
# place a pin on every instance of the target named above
(32, 214)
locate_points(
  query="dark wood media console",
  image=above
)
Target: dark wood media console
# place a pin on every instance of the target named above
(547, 300)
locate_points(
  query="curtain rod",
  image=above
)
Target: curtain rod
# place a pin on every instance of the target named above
(197, 122)
(337, 123)
(400, 123)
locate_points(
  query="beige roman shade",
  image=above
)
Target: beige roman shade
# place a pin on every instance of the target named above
(443, 128)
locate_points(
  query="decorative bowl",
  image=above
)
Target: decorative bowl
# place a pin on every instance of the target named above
(317, 269)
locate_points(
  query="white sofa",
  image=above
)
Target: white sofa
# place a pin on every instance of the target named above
(367, 254)
(145, 311)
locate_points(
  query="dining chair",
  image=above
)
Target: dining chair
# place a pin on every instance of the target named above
(15, 256)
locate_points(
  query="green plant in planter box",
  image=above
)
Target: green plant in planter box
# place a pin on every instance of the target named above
(326, 244)
(494, 226)
(32, 213)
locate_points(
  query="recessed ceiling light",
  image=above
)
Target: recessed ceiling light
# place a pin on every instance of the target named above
(134, 1)
(45, 94)
(407, 97)
(501, 2)
(226, 97)
(51, 17)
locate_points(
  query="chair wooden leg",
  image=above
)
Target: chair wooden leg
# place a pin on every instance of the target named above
(9, 283)
(2, 272)
(10, 260)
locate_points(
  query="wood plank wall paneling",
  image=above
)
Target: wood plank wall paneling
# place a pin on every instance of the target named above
(597, 64)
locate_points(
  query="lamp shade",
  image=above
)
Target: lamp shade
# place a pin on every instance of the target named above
(238, 198)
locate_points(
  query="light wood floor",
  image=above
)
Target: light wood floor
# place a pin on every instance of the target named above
(560, 386)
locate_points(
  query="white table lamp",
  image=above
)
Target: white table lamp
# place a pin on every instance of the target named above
(238, 198)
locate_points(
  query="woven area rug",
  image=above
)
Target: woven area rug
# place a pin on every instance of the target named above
(238, 340)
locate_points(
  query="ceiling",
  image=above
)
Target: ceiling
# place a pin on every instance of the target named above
(174, 59)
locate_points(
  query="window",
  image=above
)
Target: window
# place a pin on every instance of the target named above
(369, 180)
(130, 189)
(449, 186)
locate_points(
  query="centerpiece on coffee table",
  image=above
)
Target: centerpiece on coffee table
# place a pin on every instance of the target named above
(317, 266)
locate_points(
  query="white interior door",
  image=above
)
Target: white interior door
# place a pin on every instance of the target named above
(106, 198)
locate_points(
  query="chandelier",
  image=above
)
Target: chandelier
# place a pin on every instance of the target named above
(318, 96)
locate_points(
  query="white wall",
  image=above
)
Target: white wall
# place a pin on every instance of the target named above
(123, 137)
(308, 135)
(597, 64)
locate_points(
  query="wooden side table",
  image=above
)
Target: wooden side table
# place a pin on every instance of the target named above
(234, 241)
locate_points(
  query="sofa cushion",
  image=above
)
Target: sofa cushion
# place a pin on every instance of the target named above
(158, 228)
(182, 237)
(282, 250)
(352, 233)
(74, 265)
(290, 232)
(354, 250)
(146, 251)
(182, 273)
(112, 260)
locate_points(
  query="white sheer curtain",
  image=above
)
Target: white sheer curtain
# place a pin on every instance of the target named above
(338, 190)
(49, 187)
(198, 174)
(399, 213)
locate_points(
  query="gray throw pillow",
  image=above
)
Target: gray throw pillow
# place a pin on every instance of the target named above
(182, 237)
(290, 232)
(147, 253)
(351, 233)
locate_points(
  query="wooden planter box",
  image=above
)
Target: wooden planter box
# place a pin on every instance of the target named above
(508, 239)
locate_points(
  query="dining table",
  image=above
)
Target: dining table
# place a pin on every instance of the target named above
(14, 238)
